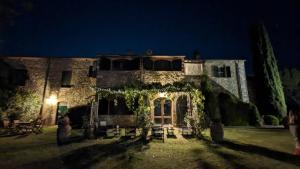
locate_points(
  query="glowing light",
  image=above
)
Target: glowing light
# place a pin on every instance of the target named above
(52, 100)
(162, 94)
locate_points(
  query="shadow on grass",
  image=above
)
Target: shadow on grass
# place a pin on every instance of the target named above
(232, 161)
(274, 154)
(88, 156)
(253, 149)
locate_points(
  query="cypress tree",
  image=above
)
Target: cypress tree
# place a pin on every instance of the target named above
(269, 88)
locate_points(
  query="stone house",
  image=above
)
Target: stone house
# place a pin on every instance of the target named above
(64, 83)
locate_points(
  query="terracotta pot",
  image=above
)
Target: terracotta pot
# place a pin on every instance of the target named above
(217, 132)
(5, 123)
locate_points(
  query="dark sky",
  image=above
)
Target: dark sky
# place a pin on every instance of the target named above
(216, 28)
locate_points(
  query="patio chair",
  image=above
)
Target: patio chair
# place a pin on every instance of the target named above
(130, 132)
(37, 126)
(158, 133)
(170, 131)
(187, 131)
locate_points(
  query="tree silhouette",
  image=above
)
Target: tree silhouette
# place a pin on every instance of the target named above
(269, 87)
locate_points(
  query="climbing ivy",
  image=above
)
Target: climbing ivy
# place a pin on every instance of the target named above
(137, 100)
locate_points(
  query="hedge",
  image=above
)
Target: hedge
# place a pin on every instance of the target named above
(237, 113)
(270, 120)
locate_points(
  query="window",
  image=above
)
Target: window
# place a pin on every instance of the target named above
(92, 71)
(162, 65)
(104, 64)
(66, 79)
(19, 77)
(177, 65)
(222, 71)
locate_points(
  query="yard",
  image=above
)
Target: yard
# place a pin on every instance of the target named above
(243, 148)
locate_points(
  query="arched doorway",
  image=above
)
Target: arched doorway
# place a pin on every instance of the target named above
(162, 111)
(181, 110)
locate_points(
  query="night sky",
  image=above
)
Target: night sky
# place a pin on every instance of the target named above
(216, 28)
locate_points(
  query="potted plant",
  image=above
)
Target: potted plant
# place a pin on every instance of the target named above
(5, 119)
(217, 131)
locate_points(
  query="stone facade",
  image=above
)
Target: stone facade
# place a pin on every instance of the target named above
(75, 95)
(236, 83)
(45, 78)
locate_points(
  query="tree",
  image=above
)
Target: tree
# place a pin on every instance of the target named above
(270, 93)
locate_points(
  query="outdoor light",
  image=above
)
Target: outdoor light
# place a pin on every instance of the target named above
(163, 94)
(52, 100)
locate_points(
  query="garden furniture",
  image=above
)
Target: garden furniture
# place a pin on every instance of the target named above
(158, 132)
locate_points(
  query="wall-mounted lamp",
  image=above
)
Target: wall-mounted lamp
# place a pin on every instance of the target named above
(163, 94)
(52, 100)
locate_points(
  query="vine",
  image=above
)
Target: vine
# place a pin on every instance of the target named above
(137, 100)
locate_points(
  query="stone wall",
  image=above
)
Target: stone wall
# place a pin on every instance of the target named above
(108, 79)
(73, 96)
(236, 84)
(163, 77)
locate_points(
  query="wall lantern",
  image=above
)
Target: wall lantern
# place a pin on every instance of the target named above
(52, 100)
(163, 94)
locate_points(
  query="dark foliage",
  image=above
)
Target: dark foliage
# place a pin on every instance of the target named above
(269, 90)
(237, 113)
(271, 120)
(76, 115)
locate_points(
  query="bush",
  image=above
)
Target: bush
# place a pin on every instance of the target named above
(24, 104)
(270, 120)
(237, 113)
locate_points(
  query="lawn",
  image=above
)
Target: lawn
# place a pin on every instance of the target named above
(244, 148)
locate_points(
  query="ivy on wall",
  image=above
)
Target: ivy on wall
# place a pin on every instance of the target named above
(137, 99)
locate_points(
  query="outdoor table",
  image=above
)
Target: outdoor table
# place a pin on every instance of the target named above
(24, 127)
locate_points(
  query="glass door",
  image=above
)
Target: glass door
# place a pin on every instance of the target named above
(162, 111)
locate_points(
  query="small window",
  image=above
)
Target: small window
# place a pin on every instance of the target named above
(222, 71)
(19, 77)
(66, 79)
(92, 71)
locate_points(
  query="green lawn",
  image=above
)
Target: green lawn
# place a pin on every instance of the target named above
(244, 148)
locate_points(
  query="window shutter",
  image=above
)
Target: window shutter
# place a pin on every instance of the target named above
(215, 71)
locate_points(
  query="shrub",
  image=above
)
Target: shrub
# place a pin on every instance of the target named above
(24, 104)
(271, 120)
(237, 113)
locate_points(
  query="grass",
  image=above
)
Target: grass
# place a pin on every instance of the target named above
(244, 148)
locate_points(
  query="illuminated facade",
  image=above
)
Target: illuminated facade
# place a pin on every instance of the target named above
(64, 83)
